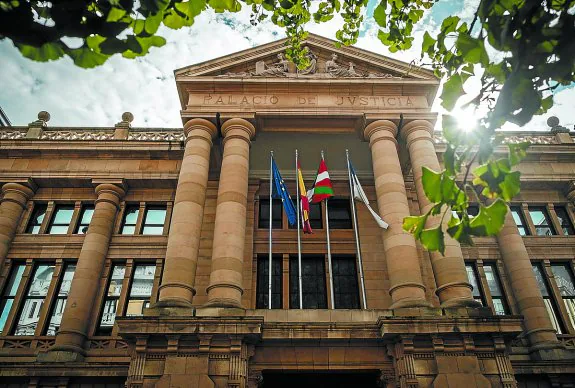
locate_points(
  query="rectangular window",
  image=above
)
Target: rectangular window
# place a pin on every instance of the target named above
(566, 284)
(36, 219)
(154, 220)
(61, 219)
(494, 284)
(345, 286)
(564, 221)
(9, 294)
(60, 302)
(313, 282)
(544, 288)
(339, 212)
(262, 293)
(541, 221)
(85, 218)
(519, 220)
(264, 216)
(472, 278)
(37, 290)
(130, 219)
(140, 289)
(110, 307)
(315, 217)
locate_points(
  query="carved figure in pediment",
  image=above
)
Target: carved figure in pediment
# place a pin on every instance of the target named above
(336, 70)
(280, 68)
(312, 58)
(382, 75)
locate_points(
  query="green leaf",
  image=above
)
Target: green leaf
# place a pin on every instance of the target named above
(433, 239)
(510, 186)
(449, 160)
(87, 58)
(380, 14)
(472, 49)
(415, 224)
(452, 90)
(490, 219)
(428, 42)
(115, 14)
(517, 152)
(431, 181)
(44, 53)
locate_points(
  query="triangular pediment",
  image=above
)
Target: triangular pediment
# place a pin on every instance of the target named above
(327, 62)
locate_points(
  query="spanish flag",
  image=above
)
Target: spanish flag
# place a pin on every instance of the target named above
(322, 188)
(304, 202)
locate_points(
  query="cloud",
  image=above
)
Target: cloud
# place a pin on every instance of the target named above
(146, 87)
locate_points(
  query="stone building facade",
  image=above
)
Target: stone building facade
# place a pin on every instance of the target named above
(139, 257)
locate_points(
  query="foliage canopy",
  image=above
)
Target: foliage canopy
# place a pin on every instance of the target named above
(522, 50)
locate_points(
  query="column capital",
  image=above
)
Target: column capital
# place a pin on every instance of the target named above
(194, 127)
(110, 191)
(19, 192)
(379, 130)
(408, 130)
(237, 128)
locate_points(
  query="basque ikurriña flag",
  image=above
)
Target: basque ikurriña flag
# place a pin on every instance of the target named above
(304, 202)
(322, 188)
(280, 191)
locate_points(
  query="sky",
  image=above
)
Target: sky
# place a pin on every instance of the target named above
(146, 87)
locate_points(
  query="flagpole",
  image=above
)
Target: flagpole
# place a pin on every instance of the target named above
(298, 199)
(328, 250)
(355, 230)
(270, 235)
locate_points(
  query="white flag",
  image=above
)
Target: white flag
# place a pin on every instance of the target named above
(359, 195)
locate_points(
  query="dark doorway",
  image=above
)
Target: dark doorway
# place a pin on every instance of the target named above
(320, 379)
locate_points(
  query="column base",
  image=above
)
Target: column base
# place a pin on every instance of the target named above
(551, 351)
(461, 302)
(170, 307)
(407, 303)
(223, 302)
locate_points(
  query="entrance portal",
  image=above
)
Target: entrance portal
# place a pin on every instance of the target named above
(332, 379)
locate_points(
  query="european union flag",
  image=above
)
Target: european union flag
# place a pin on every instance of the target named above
(280, 191)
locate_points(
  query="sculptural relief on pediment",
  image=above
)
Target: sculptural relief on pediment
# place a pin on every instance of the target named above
(331, 67)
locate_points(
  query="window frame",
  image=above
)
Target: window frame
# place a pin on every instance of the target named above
(565, 310)
(52, 223)
(553, 302)
(480, 287)
(531, 208)
(147, 208)
(294, 281)
(36, 206)
(4, 296)
(262, 281)
(22, 293)
(125, 214)
(518, 209)
(498, 280)
(262, 220)
(564, 220)
(356, 304)
(123, 299)
(340, 203)
(79, 224)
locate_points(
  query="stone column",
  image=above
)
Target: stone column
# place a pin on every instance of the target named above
(14, 199)
(225, 289)
(528, 299)
(407, 289)
(177, 287)
(453, 288)
(81, 299)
